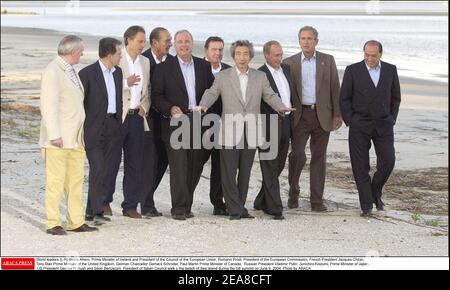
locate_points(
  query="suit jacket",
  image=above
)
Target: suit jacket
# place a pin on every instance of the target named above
(145, 79)
(227, 85)
(362, 103)
(96, 101)
(217, 107)
(148, 54)
(61, 106)
(169, 89)
(327, 88)
(265, 108)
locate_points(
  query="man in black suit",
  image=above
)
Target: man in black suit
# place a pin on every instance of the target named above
(155, 157)
(213, 54)
(370, 100)
(179, 84)
(279, 76)
(102, 82)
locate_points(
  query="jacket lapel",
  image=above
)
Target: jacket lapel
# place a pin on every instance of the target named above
(248, 91)
(179, 75)
(270, 78)
(297, 74)
(320, 67)
(101, 79)
(117, 83)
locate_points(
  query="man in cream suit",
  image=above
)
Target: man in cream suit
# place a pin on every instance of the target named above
(136, 104)
(316, 98)
(241, 89)
(61, 137)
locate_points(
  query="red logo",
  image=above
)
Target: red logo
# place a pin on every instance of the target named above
(17, 263)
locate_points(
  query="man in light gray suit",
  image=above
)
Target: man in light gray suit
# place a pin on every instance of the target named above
(242, 89)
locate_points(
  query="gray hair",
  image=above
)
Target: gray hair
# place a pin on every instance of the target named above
(245, 43)
(183, 31)
(309, 28)
(69, 44)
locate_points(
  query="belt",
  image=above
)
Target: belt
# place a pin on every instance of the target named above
(111, 115)
(133, 111)
(312, 107)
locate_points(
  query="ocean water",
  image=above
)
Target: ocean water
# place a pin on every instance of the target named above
(414, 37)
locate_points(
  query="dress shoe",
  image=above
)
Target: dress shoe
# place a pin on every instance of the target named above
(84, 228)
(379, 204)
(132, 213)
(234, 217)
(57, 231)
(247, 216)
(107, 210)
(320, 207)
(152, 213)
(100, 220)
(292, 202)
(180, 217)
(278, 217)
(189, 215)
(366, 213)
(220, 211)
(89, 217)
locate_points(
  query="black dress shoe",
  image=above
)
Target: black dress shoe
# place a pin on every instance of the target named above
(220, 211)
(234, 217)
(84, 228)
(152, 213)
(132, 213)
(320, 207)
(379, 204)
(100, 220)
(56, 231)
(107, 210)
(247, 216)
(292, 202)
(180, 217)
(189, 215)
(366, 213)
(278, 217)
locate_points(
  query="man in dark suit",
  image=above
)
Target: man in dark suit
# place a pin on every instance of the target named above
(370, 100)
(278, 74)
(213, 54)
(155, 156)
(316, 98)
(179, 84)
(102, 82)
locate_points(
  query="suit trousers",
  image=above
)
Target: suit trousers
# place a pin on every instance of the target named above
(64, 170)
(235, 193)
(369, 189)
(307, 127)
(269, 198)
(104, 162)
(155, 163)
(133, 151)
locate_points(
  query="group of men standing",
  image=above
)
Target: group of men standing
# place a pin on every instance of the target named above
(128, 100)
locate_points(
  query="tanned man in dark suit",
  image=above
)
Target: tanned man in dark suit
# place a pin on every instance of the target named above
(279, 76)
(102, 82)
(179, 84)
(370, 100)
(155, 156)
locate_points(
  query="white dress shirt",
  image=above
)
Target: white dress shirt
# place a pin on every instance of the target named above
(156, 59)
(110, 87)
(136, 90)
(243, 81)
(375, 73)
(215, 71)
(282, 85)
(188, 71)
(308, 80)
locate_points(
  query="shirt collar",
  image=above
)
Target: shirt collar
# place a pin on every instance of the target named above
(182, 62)
(219, 68)
(239, 72)
(104, 68)
(272, 69)
(129, 57)
(156, 59)
(378, 67)
(65, 63)
(313, 57)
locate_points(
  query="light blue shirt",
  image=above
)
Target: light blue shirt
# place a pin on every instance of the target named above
(308, 79)
(110, 87)
(375, 73)
(189, 79)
